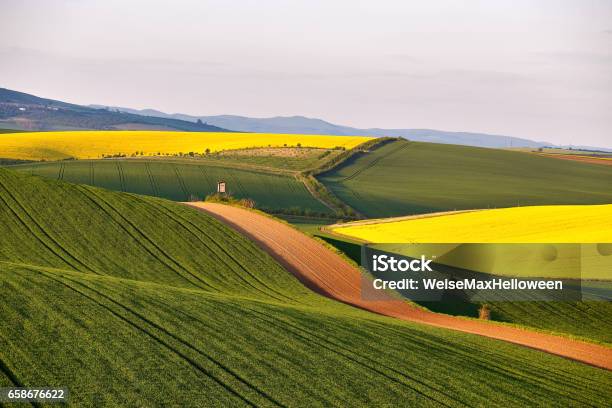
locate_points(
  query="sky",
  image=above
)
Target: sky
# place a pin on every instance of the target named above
(536, 69)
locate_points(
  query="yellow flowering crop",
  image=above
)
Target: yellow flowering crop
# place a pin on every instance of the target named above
(537, 224)
(94, 144)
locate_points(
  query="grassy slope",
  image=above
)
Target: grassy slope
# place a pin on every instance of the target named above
(181, 180)
(132, 300)
(403, 178)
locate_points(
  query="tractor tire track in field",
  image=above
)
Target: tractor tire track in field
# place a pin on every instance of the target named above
(154, 186)
(340, 350)
(223, 254)
(122, 182)
(141, 237)
(494, 364)
(333, 277)
(545, 377)
(274, 325)
(209, 184)
(375, 162)
(166, 343)
(33, 226)
(181, 181)
(237, 310)
(281, 326)
(6, 370)
(9, 374)
(60, 175)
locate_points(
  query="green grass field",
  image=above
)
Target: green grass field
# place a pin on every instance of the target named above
(402, 178)
(134, 300)
(182, 180)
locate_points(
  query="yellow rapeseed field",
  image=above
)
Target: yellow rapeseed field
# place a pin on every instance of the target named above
(94, 144)
(538, 224)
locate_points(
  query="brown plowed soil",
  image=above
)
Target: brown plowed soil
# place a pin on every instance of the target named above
(327, 273)
(584, 159)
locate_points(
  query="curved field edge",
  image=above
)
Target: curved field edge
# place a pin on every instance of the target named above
(402, 178)
(97, 144)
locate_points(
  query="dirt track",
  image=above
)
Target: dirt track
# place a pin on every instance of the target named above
(584, 159)
(329, 274)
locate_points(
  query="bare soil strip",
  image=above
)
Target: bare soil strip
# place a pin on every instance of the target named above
(585, 159)
(327, 273)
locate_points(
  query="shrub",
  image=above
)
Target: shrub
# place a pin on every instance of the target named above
(484, 312)
(227, 198)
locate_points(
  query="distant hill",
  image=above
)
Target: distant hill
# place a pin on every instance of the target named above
(23, 111)
(303, 125)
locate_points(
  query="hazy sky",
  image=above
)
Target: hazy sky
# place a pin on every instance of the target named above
(537, 69)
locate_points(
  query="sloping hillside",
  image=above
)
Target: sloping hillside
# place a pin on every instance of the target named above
(183, 181)
(130, 300)
(19, 110)
(301, 124)
(402, 178)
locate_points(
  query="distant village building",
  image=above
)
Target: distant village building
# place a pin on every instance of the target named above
(221, 187)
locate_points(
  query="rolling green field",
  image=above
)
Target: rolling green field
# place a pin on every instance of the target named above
(403, 177)
(134, 300)
(181, 180)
